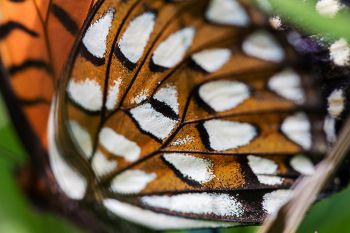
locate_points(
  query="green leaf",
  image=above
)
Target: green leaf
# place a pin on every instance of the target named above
(303, 14)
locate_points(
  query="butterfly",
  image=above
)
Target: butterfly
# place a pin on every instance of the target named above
(166, 114)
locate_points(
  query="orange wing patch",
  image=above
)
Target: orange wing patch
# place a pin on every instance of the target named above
(33, 49)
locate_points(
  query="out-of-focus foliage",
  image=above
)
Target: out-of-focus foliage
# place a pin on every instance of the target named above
(16, 213)
(302, 13)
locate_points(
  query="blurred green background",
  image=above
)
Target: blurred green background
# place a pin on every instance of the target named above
(18, 216)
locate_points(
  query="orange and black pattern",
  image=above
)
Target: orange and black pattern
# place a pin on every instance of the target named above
(36, 37)
(169, 114)
(162, 129)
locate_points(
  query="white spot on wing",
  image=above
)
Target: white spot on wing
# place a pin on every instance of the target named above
(336, 102)
(339, 52)
(227, 12)
(96, 35)
(172, 50)
(270, 180)
(288, 85)
(264, 46)
(191, 167)
(112, 95)
(274, 200)
(86, 94)
(119, 145)
(102, 165)
(197, 203)
(168, 95)
(328, 7)
(140, 97)
(69, 180)
(297, 128)
(152, 121)
(155, 220)
(261, 165)
(223, 95)
(302, 164)
(225, 135)
(276, 22)
(82, 138)
(136, 36)
(131, 181)
(329, 129)
(212, 60)
(182, 141)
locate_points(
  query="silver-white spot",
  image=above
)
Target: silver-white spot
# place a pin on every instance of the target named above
(82, 138)
(172, 50)
(132, 181)
(119, 145)
(182, 141)
(225, 135)
(96, 35)
(87, 94)
(270, 180)
(288, 85)
(339, 52)
(302, 164)
(276, 199)
(328, 7)
(336, 102)
(228, 12)
(136, 36)
(168, 95)
(260, 165)
(276, 22)
(212, 60)
(152, 121)
(191, 167)
(329, 129)
(158, 221)
(197, 203)
(264, 168)
(112, 96)
(101, 165)
(142, 96)
(69, 180)
(297, 128)
(223, 95)
(263, 45)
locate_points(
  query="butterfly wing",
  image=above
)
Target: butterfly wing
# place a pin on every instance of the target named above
(33, 50)
(184, 114)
